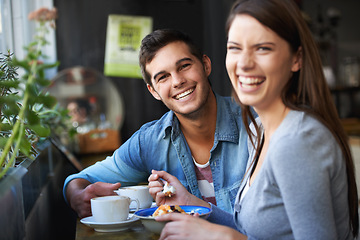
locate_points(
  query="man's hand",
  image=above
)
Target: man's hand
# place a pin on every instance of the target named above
(181, 196)
(79, 192)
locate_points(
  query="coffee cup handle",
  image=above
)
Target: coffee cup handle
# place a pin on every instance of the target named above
(137, 206)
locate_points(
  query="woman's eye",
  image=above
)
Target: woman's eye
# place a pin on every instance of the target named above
(233, 48)
(264, 48)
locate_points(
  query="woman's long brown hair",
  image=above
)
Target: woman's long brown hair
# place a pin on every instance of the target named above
(307, 89)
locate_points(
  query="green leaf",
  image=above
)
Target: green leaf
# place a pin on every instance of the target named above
(32, 91)
(47, 100)
(3, 141)
(24, 64)
(25, 146)
(32, 117)
(42, 131)
(40, 72)
(9, 99)
(5, 126)
(8, 112)
(43, 81)
(9, 84)
(48, 65)
(31, 45)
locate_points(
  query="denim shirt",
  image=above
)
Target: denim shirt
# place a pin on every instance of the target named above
(160, 145)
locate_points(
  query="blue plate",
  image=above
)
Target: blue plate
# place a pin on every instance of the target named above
(152, 225)
(146, 213)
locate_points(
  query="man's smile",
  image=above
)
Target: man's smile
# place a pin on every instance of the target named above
(184, 94)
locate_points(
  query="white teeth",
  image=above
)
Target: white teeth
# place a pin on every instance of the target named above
(248, 86)
(250, 80)
(184, 94)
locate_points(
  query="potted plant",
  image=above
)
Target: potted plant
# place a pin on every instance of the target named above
(26, 110)
(29, 115)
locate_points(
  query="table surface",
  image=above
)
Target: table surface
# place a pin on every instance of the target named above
(136, 231)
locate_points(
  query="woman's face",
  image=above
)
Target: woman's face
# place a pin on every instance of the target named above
(259, 63)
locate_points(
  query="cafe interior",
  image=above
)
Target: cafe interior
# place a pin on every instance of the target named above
(118, 102)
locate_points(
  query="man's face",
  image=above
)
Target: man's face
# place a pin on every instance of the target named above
(179, 79)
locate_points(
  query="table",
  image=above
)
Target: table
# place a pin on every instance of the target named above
(136, 231)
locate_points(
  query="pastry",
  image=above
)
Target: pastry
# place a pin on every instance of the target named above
(168, 190)
(165, 209)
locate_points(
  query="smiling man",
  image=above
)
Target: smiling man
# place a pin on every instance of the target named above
(201, 140)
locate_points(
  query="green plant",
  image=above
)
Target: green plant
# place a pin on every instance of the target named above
(27, 111)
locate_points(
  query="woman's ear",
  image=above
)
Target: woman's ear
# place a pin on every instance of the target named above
(153, 92)
(297, 64)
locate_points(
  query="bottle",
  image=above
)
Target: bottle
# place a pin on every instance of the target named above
(103, 123)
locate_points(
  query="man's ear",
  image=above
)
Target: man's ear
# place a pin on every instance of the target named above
(207, 65)
(297, 64)
(153, 92)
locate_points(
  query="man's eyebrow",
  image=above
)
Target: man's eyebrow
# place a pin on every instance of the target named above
(177, 63)
(183, 59)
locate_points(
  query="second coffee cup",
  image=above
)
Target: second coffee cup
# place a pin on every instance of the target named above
(140, 192)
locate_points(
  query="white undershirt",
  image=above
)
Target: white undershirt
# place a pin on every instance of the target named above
(245, 190)
(206, 186)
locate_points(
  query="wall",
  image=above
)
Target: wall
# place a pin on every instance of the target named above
(348, 37)
(344, 39)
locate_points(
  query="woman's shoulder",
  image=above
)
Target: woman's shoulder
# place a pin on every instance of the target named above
(298, 125)
(301, 135)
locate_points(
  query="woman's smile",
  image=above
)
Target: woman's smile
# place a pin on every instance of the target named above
(249, 82)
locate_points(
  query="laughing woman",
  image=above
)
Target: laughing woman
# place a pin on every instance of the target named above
(300, 182)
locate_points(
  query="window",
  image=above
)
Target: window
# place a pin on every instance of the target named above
(6, 34)
(16, 31)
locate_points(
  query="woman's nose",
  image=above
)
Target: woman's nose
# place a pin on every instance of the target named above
(245, 61)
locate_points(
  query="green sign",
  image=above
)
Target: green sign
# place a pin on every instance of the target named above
(123, 39)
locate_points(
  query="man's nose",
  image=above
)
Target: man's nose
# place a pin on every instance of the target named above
(178, 80)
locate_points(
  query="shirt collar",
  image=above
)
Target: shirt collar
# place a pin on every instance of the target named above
(226, 125)
(227, 128)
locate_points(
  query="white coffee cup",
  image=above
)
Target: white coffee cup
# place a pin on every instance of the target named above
(140, 192)
(111, 208)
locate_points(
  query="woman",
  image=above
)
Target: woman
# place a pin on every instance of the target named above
(300, 182)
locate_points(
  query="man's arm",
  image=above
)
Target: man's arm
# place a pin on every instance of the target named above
(79, 192)
(126, 166)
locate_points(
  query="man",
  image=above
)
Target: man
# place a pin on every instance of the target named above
(201, 140)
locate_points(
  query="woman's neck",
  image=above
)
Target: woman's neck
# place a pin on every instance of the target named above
(271, 119)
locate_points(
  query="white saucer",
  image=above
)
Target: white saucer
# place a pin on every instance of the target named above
(109, 227)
